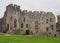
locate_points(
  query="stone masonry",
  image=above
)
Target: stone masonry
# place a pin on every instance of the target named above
(25, 22)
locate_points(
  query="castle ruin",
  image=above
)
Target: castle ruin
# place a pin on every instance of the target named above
(39, 23)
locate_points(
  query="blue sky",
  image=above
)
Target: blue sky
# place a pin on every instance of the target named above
(37, 5)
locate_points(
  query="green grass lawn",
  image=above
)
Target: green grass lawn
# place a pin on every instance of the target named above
(27, 39)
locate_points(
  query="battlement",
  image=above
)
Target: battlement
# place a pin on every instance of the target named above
(13, 7)
(25, 11)
(42, 12)
(18, 7)
(29, 12)
(10, 5)
(36, 12)
(49, 13)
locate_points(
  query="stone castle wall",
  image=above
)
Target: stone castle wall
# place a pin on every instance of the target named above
(29, 22)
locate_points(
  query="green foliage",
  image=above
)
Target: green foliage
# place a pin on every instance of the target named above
(27, 39)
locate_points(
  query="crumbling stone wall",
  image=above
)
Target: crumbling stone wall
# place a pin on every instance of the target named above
(29, 22)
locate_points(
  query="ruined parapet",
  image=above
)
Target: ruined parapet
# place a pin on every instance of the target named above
(9, 7)
(12, 7)
(42, 12)
(42, 15)
(16, 7)
(24, 11)
(50, 13)
(30, 13)
(35, 12)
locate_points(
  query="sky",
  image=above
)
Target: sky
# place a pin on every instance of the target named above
(33, 5)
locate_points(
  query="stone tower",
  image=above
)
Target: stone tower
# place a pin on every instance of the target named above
(58, 25)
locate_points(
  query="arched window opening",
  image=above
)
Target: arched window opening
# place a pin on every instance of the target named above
(21, 25)
(50, 19)
(15, 23)
(46, 20)
(7, 26)
(52, 27)
(24, 20)
(47, 29)
(27, 25)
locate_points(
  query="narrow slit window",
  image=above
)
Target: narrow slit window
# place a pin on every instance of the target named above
(21, 25)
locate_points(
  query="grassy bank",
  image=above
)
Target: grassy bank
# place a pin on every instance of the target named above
(27, 39)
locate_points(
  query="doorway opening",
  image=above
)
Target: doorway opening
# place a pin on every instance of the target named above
(27, 32)
(55, 35)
